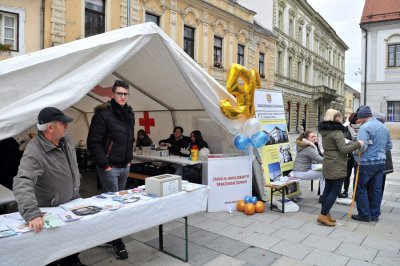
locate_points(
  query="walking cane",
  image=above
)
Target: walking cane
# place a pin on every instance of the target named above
(355, 187)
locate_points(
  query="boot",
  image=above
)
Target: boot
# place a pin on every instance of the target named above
(323, 219)
(330, 218)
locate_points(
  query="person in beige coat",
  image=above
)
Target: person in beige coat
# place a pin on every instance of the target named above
(334, 162)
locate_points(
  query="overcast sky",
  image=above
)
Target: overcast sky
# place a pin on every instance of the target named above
(344, 17)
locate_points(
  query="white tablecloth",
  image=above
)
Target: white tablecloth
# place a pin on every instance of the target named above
(90, 231)
(169, 159)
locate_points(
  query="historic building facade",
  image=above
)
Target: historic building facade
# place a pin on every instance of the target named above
(352, 101)
(309, 64)
(215, 33)
(380, 60)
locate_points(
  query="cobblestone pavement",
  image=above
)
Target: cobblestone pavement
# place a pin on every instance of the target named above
(273, 238)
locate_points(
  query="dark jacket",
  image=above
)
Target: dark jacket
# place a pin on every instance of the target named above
(177, 145)
(335, 149)
(200, 144)
(144, 142)
(110, 139)
(10, 155)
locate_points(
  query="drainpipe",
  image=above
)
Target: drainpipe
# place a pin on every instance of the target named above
(365, 65)
(42, 24)
(128, 19)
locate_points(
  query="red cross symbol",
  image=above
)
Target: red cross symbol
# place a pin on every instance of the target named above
(147, 122)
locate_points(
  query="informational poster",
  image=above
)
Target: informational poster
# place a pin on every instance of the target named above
(276, 155)
(229, 180)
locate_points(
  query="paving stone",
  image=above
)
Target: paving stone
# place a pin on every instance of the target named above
(227, 246)
(180, 231)
(320, 242)
(146, 235)
(196, 219)
(261, 240)
(220, 216)
(387, 259)
(324, 258)
(165, 260)
(292, 235)
(263, 227)
(94, 255)
(307, 217)
(382, 244)
(356, 251)
(241, 221)
(236, 232)
(392, 204)
(171, 225)
(285, 261)
(198, 255)
(351, 237)
(112, 261)
(289, 222)
(223, 260)
(384, 230)
(291, 249)
(307, 209)
(201, 236)
(316, 229)
(211, 225)
(267, 216)
(356, 262)
(258, 257)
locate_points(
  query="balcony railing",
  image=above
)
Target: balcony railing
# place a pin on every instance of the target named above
(324, 93)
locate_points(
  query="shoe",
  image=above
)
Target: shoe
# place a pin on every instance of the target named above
(343, 195)
(359, 218)
(323, 219)
(119, 249)
(330, 218)
(374, 219)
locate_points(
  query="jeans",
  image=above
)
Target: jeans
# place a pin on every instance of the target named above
(369, 190)
(113, 180)
(331, 192)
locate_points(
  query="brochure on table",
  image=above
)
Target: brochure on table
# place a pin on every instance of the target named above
(229, 179)
(276, 156)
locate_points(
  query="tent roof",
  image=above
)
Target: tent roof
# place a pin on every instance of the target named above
(163, 76)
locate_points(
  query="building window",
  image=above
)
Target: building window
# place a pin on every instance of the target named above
(308, 40)
(393, 111)
(9, 29)
(280, 20)
(299, 67)
(279, 63)
(306, 74)
(240, 55)
(394, 55)
(94, 17)
(217, 51)
(300, 35)
(290, 65)
(261, 65)
(188, 41)
(291, 25)
(152, 18)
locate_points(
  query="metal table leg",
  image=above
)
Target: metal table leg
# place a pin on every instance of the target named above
(161, 242)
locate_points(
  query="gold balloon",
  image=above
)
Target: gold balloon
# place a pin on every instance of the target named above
(244, 93)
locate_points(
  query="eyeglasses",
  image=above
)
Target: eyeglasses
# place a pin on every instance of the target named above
(122, 94)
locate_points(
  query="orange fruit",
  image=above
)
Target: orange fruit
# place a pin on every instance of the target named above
(260, 206)
(240, 205)
(249, 208)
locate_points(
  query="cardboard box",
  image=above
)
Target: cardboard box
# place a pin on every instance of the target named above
(160, 153)
(163, 185)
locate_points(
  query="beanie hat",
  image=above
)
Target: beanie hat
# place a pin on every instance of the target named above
(364, 112)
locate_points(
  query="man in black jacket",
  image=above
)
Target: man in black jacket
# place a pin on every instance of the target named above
(110, 142)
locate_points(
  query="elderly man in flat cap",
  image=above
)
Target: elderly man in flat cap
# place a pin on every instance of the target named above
(377, 141)
(48, 174)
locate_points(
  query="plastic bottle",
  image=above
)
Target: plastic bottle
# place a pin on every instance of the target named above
(194, 153)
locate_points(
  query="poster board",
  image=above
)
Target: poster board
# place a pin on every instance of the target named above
(229, 180)
(276, 156)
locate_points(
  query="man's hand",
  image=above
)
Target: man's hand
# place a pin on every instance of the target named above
(361, 143)
(108, 168)
(36, 224)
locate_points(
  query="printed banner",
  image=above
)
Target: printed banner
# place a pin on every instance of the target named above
(275, 155)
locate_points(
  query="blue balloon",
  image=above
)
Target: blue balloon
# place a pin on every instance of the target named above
(259, 139)
(241, 142)
(247, 199)
(253, 200)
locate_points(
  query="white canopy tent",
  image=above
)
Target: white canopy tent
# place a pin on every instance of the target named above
(163, 76)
